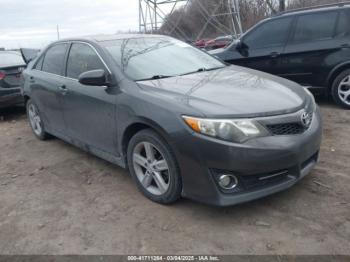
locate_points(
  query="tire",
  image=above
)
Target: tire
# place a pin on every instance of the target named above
(158, 176)
(35, 121)
(341, 89)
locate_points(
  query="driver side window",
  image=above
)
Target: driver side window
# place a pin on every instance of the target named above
(269, 34)
(82, 58)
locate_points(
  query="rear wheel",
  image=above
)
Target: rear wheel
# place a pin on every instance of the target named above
(341, 89)
(35, 121)
(154, 168)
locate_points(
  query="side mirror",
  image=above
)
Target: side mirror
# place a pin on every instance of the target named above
(242, 48)
(94, 78)
(240, 45)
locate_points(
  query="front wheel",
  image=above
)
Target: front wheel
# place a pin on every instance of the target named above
(35, 121)
(341, 89)
(154, 168)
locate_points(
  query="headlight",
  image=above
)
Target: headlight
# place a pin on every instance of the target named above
(239, 130)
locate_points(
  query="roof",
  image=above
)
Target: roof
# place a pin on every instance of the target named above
(105, 37)
(314, 9)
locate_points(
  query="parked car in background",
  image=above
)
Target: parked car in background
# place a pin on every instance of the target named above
(219, 42)
(28, 54)
(193, 127)
(310, 47)
(11, 67)
(200, 43)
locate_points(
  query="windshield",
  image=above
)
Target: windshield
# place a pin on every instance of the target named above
(158, 57)
(10, 59)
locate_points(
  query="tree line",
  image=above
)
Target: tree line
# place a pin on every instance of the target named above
(190, 22)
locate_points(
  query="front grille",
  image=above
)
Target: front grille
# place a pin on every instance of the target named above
(294, 127)
(286, 129)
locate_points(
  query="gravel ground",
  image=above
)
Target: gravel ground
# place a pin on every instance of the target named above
(56, 199)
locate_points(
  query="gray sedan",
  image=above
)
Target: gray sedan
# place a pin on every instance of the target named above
(181, 121)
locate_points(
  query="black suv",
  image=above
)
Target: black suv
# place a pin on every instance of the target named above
(308, 46)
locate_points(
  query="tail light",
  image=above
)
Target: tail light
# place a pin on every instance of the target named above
(2, 75)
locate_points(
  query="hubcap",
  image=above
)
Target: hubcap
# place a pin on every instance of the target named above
(344, 90)
(151, 168)
(34, 119)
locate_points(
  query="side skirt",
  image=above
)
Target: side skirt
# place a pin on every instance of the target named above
(90, 149)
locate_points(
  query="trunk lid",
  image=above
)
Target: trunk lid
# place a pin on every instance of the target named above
(11, 76)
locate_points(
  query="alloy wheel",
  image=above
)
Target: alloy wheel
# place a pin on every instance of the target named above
(344, 90)
(34, 119)
(151, 168)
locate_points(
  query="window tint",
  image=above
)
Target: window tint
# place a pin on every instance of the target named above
(313, 27)
(54, 59)
(272, 33)
(343, 28)
(82, 58)
(39, 63)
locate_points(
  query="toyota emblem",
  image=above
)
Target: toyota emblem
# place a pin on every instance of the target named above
(306, 119)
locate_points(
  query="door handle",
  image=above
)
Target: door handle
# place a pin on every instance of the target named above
(345, 46)
(63, 89)
(31, 79)
(275, 54)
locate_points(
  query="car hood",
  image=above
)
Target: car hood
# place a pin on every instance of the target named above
(231, 91)
(216, 51)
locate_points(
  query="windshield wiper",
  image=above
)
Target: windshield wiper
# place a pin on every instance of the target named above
(203, 69)
(154, 77)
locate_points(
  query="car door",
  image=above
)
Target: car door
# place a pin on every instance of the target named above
(46, 80)
(308, 53)
(342, 39)
(89, 111)
(261, 47)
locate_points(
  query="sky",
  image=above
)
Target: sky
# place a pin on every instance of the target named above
(32, 23)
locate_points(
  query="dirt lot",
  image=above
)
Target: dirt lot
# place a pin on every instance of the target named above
(56, 199)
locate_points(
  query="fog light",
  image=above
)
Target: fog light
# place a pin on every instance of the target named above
(228, 181)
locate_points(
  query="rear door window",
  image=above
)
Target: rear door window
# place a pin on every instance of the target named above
(82, 58)
(54, 59)
(269, 34)
(315, 27)
(343, 28)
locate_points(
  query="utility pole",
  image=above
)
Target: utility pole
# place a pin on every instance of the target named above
(152, 16)
(236, 18)
(58, 33)
(282, 5)
(155, 14)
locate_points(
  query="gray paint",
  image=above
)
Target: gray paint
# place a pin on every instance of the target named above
(96, 119)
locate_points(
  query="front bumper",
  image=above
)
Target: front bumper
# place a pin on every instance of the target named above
(201, 157)
(10, 97)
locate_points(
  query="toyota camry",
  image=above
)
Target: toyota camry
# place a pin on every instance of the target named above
(183, 123)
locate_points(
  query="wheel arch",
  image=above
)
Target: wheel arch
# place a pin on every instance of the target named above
(335, 72)
(26, 98)
(135, 127)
